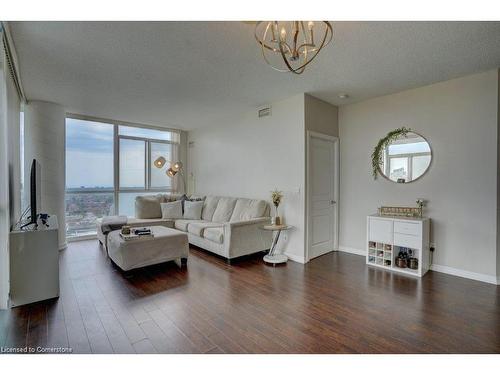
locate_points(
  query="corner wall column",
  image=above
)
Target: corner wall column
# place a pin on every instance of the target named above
(44, 140)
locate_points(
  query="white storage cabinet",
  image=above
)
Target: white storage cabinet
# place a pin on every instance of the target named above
(387, 235)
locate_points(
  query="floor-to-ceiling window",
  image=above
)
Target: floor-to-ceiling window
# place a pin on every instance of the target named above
(89, 175)
(108, 165)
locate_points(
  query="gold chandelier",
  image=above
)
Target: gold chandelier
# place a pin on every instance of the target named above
(289, 46)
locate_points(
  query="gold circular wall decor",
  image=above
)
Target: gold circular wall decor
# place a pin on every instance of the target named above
(289, 46)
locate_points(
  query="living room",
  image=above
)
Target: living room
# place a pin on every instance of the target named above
(212, 187)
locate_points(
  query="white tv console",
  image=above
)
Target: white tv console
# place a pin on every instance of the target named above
(387, 235)
(34, 264)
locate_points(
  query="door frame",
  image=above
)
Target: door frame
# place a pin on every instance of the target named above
(336, 184)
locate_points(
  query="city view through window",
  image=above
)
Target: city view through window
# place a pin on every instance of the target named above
(89, 175)
(90, 163)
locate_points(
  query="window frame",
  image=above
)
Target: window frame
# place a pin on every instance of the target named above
(409, 162)
(147, 163)
(117, 189)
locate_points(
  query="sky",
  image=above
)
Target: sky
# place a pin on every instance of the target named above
(409, 148)
(89, 155)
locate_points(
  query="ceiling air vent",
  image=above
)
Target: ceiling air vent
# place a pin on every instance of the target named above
(265, 111)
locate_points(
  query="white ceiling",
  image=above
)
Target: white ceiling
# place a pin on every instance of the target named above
(193, 74)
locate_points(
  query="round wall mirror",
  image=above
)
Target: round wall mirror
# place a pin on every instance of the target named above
(406, 158)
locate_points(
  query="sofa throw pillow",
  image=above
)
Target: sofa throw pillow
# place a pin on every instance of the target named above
(196, 197)
(192, 210)
(192, 198)
(169, 197)
(171, 210)
(147, 207)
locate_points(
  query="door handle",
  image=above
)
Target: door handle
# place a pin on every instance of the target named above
(333, 202)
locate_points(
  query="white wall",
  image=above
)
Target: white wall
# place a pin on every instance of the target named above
(44, 140)
(320, 116)
(248, 157)
(459, 118)
(183, 160)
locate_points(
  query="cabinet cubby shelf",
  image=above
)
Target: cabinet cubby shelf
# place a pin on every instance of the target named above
(387, 236)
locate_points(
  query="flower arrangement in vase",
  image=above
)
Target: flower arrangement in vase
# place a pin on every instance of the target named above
(420, 204)
(276, 197)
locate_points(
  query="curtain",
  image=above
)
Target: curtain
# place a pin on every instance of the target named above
(10, 157)
(13, 106)
(4, 186)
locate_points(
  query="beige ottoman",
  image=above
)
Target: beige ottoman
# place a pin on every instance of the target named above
(167, 244)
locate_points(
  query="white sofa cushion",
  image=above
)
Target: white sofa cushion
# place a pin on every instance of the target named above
(209, 206)
(147, 207)
(214, 234)
(246, 209)
(192, 210)
(171, 210)
(199, 227)
(224, 210)
(183, 224)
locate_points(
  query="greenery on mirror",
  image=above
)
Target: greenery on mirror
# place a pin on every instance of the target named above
(378, 156)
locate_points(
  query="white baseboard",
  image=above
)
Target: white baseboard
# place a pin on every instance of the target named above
(352, 250)
(438, 268)
(296, 258)
(466, 274)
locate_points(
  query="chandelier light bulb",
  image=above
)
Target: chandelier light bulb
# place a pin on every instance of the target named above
(310, 25)
(274, 31)
(170, 172)
(177, 166)
(160, 162)
(283, 34)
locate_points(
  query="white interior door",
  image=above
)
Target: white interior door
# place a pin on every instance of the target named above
(321, 191)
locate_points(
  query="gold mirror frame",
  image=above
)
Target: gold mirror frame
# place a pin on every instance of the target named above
(380, 172)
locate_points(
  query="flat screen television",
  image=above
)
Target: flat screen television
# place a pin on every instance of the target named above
(35, 192)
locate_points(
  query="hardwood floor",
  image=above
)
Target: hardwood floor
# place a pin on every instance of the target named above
(334, 304)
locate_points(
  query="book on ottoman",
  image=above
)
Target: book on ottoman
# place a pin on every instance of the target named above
(137, 233)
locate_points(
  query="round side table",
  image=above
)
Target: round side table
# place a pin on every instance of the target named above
(272, 257)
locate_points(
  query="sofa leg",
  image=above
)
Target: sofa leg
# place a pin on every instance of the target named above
(181, 262)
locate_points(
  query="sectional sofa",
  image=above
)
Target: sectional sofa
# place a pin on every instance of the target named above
(229, 227)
